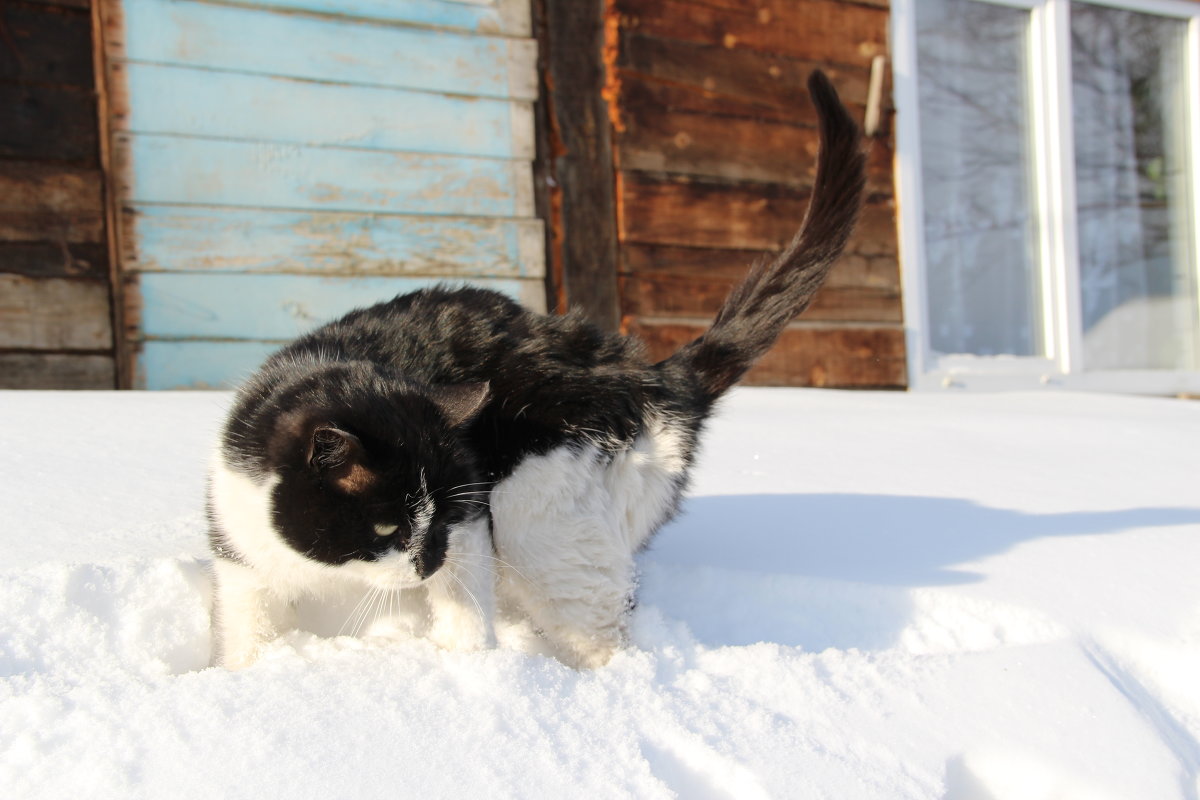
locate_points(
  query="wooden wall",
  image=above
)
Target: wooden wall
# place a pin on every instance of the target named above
(279, 162)
(55, 309)
(713, 145)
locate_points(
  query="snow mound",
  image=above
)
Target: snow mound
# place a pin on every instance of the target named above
(868, 595)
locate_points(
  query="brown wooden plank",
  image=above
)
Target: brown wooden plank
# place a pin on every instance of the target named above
(658, 140)
(55, 371)
(54, 313)
(853, 270)
(693, 296)
(82, 4)
(46, 44)
(821, 30)
(833, 357)
(42, 202)
(716, 79)
(48, 122)
(694, 213)
(577, 159)
(54, 259)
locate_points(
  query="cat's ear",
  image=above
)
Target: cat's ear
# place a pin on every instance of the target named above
(339, 456)
(459, 402)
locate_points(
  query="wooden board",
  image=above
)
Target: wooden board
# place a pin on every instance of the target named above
(195, 102)
(655, 139)
(716, 79)
(262, 41)
(274, 307)
(834, 357)
(197, 239)
(42, 202)
(502, 17)
(54, 314)
(172, 169)
(55, 259)
(821, 30)
(852, 270)
(694, 296)
(56, 371)
(46, 44)
(198, 364)
(48, 122)
(580, 203)
(693, 213)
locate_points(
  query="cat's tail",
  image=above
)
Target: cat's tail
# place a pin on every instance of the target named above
(775, 292)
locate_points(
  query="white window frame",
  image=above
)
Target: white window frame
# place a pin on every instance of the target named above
(1054, 171)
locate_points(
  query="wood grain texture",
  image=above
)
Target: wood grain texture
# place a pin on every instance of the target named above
(48, 122)
(697, 296)
(821, 30)
(580, 161)
(656, 139)
(261, 41)
(171, 169)
(673, 211)
(42, 202)
(274, 307)
(54, 314)
(195, 102)
(46, 44)
(56, 371)
(716, 79)
(503, 17)
(834, 357)
(197, 364)
(197, 239)
(54, 259)
(852, 270)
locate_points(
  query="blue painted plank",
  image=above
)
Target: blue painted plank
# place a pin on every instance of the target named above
(193, 239)
(174, 169)
(181, 100)
(199, 364)
(322, 48)
(503, 17)
(275, 307)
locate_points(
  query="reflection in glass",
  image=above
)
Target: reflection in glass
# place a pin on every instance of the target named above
(1137, 273)
(980, 229)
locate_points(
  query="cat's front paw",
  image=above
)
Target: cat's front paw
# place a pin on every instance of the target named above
(460, 629)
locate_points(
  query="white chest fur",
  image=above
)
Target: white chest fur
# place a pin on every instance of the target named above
(566, 526)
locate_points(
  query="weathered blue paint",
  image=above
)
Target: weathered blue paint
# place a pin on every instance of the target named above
(284, 161)
(279, 307)
(172, 169)
(231, 105)
(188, 238)
(326, 49)
(477, 17)
(199, 365)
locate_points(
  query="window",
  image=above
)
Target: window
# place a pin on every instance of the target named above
(1048, 169)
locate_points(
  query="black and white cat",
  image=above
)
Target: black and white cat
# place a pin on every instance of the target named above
(451, 440)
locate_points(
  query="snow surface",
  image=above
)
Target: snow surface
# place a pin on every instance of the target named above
(869, 595)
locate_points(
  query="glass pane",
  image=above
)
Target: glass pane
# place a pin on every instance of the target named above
(980, 230)
(1137, 276)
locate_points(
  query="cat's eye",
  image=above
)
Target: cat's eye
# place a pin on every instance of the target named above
(385, 530)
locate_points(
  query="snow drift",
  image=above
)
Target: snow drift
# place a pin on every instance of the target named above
(868, 595)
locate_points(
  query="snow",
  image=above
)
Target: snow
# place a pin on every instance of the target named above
(869, 595)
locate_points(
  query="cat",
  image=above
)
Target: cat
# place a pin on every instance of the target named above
(504, 461)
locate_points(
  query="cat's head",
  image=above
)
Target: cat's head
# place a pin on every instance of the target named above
(374, 482)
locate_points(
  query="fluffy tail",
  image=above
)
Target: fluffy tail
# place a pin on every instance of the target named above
(775, 292)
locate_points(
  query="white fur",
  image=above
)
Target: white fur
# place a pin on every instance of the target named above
(566, 527)
(254, 598)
